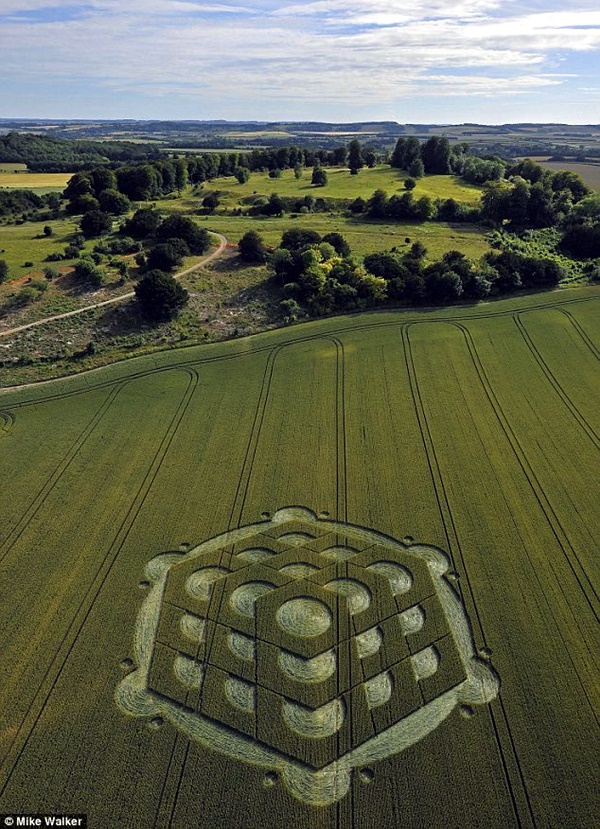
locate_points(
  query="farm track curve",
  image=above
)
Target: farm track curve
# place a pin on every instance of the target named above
(554, 382)
(195, 361)
(129, 295)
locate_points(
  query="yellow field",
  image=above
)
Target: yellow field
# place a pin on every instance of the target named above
(32, 181)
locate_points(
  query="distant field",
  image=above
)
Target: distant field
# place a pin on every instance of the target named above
(48, 182)
(471, 429)
(590, 173)
(12, 167)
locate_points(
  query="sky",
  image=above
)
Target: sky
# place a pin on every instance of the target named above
(411, 61)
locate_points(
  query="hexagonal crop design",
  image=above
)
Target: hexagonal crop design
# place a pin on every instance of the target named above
(304, 646)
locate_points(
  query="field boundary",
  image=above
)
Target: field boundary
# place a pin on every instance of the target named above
(85, 377)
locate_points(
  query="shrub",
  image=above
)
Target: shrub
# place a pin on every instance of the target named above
(159, 295)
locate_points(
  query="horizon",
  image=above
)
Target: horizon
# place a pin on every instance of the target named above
(261, 122)
(444, 62)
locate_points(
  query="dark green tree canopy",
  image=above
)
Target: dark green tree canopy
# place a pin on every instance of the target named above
(160, 296)
(182, 227)
(252, 247)
(142, 224)
(95, 223)
(355, 156)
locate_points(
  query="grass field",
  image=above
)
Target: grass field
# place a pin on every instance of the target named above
(363, 236)
(343, 185)
(12, 167)
(27, 243)
(472, 429)
(38, 182)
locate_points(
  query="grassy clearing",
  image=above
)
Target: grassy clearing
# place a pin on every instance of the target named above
(343, 185)
(27, 243)
(470, 429)
(363, 236)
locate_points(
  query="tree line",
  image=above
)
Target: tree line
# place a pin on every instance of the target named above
(44, 153)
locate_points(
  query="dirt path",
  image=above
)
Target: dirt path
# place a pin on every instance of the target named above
(211, 256)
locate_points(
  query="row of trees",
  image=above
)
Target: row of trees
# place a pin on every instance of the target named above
(318, 275)
(49, 154)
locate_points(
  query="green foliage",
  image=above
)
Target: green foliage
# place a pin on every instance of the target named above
(167, 255)
(242, 174)
(182, 227)
(252, 247)
(355, 156)
(86, 270)
(319, 177)
(111, 201)
(95, 223)
(50, 154)
(160, 296)
(142, 224)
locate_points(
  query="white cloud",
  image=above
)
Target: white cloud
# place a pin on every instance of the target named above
(337, 50)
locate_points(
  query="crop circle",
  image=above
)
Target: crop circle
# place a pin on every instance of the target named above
(304, 617)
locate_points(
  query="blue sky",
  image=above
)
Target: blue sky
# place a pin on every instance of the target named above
(423, 61)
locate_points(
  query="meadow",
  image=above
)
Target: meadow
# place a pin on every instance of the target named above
(342, 184)
(471, 429)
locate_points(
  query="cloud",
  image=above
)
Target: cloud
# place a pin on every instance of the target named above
(287, 52)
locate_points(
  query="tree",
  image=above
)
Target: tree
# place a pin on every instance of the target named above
(142, 224)
(435, 154)
(355, 158)
(3, 270)
(319, 177)
(409, 184)
(102, 179)
(416, 168)
(377, 205)
(48, 231)
(275, 205)
(210, 202)
(111, 201)
(95, 223)
(298, 239)
(371, 159)
(341, 246)
(252, 248)
(167, 255)
(398, 158)
(242, 174)
(182, 227)
(160, 296)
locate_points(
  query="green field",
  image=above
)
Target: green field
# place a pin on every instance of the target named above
(342, 184)
(471, 429)
(27, 243)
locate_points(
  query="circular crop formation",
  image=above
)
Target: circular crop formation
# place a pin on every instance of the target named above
(304, 617)
(281, 643)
